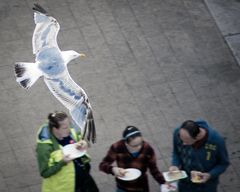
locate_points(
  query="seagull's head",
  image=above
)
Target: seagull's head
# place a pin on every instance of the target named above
(70, 55)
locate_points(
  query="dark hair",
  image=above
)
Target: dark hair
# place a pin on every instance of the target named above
(191, 127)
(55, 118)
(131, 132)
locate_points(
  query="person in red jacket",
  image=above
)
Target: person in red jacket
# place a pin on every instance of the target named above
(131, 152)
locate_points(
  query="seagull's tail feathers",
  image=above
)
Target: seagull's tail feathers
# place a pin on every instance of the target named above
(27, 74)
(83, 117)
(39, 9)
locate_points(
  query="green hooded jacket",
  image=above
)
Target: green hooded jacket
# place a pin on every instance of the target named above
(58, 176)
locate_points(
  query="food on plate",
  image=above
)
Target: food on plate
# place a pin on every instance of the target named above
(175, 175)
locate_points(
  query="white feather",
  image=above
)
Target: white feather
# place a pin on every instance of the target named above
(45, 33)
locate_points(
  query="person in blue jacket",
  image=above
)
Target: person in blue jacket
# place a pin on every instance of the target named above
(199, 150)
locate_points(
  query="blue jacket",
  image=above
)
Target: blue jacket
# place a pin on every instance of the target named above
(211, 157)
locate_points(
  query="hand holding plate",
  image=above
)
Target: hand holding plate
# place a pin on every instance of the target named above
(67, 158)
(118, 172)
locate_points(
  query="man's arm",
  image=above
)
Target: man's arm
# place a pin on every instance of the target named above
(175, 155)
(222, 159)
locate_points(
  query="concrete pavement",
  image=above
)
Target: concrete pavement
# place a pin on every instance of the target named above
(226, 13)
(150, 63)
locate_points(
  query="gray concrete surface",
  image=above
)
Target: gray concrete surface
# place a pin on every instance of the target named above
(226, 13)
(150, 63)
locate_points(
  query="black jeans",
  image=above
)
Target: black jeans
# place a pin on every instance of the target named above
(84, 181)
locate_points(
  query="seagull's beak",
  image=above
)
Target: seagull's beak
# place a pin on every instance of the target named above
(82, 55)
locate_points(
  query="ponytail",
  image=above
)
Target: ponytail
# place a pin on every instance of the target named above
(54, 118)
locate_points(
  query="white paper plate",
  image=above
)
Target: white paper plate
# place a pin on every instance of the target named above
(174, 176)
(71, 150)
(131, 174)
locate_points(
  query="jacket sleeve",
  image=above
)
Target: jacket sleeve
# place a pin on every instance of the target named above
(152, 165)
(175, 155)
(106, 164)
(222, 160)
(43, 156)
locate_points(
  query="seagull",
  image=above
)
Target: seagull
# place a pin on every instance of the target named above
(51, 64)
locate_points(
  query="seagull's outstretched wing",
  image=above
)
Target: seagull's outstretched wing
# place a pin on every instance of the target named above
(46, 30)
(75, 99)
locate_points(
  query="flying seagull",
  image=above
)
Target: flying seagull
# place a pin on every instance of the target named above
(51, 63)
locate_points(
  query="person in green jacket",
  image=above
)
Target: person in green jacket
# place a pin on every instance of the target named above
(60, 172)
